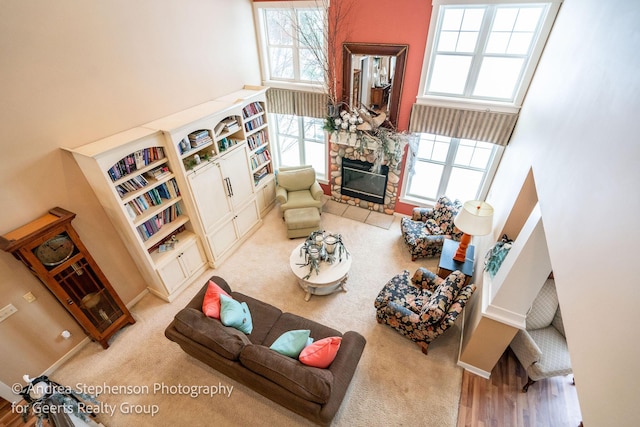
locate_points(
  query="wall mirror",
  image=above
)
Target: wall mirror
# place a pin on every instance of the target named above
(372, 76)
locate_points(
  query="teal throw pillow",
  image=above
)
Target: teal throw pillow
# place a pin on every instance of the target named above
(291, 343)
(235, 314)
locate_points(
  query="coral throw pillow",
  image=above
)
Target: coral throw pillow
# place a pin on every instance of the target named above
(211, 303)
(321, 353)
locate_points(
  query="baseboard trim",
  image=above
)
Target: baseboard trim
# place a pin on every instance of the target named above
(137, 299)
(475, 370)
(68, 355)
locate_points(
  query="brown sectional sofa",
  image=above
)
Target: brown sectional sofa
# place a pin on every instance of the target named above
(314, 393)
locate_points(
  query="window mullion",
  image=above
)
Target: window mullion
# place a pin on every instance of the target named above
(448, 166)
(296, 46)
(478, 55)
(301, 140)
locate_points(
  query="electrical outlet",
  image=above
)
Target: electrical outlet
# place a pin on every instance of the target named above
(7, 311)
(29, 297)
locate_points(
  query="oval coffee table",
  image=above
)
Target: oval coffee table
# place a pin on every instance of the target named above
(330, 277)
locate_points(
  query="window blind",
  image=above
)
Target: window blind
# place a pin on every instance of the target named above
(487, 126)
(298, 103)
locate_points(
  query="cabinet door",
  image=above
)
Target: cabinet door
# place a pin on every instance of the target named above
(192, 258)
(235, 168)
(266, 196)
(222, 239)
(172, 274)
(210, 193)
(186, 262)
(246, 218)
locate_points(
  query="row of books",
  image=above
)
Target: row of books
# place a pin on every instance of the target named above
(252, 109)
(259, 158)
(258, 175)
(159, 172)
(226, 143)
(199, 138)
(256, 140)
(228, 125)
(254, 124)
(153, 225)
(134, 161)
(153, 197)
(133, 184)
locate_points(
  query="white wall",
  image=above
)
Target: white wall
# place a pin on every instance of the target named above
(72, 72)
(579, 131)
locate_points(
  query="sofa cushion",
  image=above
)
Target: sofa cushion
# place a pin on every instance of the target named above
(309, 383)
(263, 315)
(296, 179)
(321, 353)
(235, 314)
(211, 333)
(288, 322)
(291, 343)
(211, 302)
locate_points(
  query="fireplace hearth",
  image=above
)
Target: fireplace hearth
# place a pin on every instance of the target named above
(360, 182)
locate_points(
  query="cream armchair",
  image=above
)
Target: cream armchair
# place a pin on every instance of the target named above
(542, 347)
(297, 188)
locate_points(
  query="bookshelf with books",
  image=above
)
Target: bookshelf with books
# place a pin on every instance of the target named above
(184, 191)
(135, 182)
(221, 196)
(256, 129)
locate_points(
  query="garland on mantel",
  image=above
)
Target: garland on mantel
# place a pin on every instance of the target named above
(368, 133)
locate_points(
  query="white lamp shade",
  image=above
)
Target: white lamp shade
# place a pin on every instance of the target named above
(475, 218)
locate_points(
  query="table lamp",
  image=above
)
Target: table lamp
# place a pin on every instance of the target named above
(474, 219)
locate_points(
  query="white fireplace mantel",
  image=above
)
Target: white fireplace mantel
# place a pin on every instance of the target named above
(350, 139)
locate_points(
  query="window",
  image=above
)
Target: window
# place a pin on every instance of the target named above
(299, 141)
(288, 36)
(458, 168)
(485, 52)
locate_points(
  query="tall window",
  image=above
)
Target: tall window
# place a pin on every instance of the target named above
(299, 141)
(287, 34)
(459, 168)
(485, 52)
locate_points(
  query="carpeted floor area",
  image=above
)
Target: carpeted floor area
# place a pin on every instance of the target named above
(395, 383)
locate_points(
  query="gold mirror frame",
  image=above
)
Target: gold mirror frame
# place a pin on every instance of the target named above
(397, 50)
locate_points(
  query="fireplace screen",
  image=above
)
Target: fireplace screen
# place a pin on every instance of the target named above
(358, 181)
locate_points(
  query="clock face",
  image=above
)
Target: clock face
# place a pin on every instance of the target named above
(55, 250)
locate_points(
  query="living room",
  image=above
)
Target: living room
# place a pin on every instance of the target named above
(76, 73)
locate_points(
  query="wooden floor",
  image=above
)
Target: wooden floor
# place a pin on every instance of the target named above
(499, 401)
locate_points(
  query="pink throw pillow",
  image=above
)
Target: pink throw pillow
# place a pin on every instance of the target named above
(211, 303)
(321, 353)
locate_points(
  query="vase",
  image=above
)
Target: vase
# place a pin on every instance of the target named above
(330, 244)
(333, 110)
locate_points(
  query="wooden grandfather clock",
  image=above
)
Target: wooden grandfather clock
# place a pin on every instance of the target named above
(52, 250)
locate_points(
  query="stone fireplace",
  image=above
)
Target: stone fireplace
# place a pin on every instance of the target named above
(385, 200)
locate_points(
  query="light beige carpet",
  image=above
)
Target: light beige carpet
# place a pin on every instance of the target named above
(395, 384)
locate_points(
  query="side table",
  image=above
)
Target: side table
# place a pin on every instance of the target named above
(448, 265)
(330, 277)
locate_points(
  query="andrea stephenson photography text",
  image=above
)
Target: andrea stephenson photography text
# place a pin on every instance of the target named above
(96, 390)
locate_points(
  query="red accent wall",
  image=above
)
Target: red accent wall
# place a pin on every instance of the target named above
(397, 22)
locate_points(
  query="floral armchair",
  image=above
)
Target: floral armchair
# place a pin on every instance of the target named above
(424, 306)
(425, 231)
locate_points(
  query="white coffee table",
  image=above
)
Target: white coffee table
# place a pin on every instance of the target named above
(330, 277)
